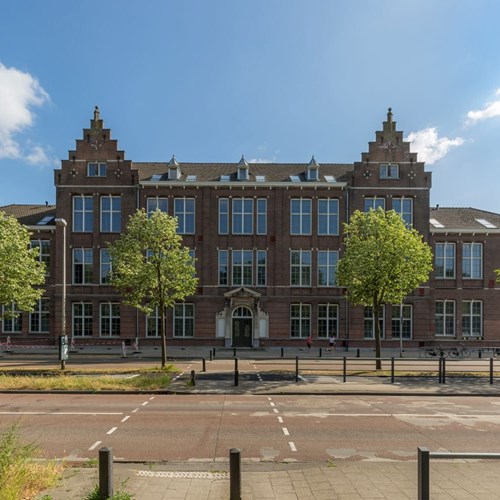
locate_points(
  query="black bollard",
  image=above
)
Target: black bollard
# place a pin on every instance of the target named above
(236, 373)
(282, 351)
(204, 365)
(320, 352)
(193, 378)
(234, 474)
(358, 353)
(211, 355)
(105, 473)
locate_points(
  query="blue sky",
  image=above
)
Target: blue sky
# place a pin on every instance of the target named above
(277, 80)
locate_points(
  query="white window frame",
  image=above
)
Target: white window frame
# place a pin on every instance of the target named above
(43, 253)
(328, 321)
(14, 324)
(87, 263)
(183, 313)
(40, 316)
(111, 216)
(373, 202)
(223, 216)
(445, 258)
(261, 216)
(469, 261)
(223, 262)
(109, 320)
(302, 269)
(445, 316)
(83, 215)
(329, 267)
(404, 213)
(328, 216)
(242, 216)
(96, 169)
(105, 266)
(239, 262)
(470, 331)
(85, 318)
(389, 171)
(300, 324)
(153, 319)
(407, 310)
(185, 215)
(154, 203)
(260, 268)
(300, 216)
(368, 320)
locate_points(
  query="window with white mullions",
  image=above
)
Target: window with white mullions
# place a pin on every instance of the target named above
(444, 260)
(83, 266)
(389, 171)
(261, 216)
(105, 266)
(328, 317)
(300, 320)
(111, 214)
(402, 321)
(404, 207)
(373, 203)
(327, 267)
(242, 216)
(183, 320)
(14, 322)
(444, 318)
(328, 216)
(39, 317)
(95, 169)
(300, 268)
(242, 267)
(43, 253)
(472, 260)
(369, 327)
(82, 319)
(154, 203)
(110, 319)
(223, 216)
(472, 318)
(223, 267)
(300, 216)
(184, 212)
(261, 268)
(83, 214)
(153, 323)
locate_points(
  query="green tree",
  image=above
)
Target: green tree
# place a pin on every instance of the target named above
(383, 262)
(20, 269)
(151, 268)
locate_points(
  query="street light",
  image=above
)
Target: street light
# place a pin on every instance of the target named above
(62, 222)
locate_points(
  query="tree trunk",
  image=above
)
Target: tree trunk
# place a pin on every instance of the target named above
(378, 343)
(163, 336)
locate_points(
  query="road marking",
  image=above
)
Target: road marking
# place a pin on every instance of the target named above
(124, 419)
(95, 445)
(272, 404)
(275, 410)
(285, 431)
(280, 420)
(113, 429)
(135, 411)
(151, 398)
(270, 399)
(292, 446)
(145, 403)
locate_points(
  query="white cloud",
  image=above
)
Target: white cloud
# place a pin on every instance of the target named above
(491, 110)
(260, 160)
(19, 93)
(429, 147)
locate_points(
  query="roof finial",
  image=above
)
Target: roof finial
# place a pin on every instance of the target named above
(96, 113)
(389, 115)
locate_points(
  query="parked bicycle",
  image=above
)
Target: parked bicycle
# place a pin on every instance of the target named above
(452, 352)
(435, 352)
(459, 352)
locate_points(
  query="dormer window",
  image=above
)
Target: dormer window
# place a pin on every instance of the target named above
(174, 172)
(313, 170)
(242, 169)
(389, 171)
(96, 169)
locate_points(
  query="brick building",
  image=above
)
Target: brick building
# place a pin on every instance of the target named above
(266, 238)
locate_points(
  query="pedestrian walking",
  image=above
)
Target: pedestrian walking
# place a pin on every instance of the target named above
(309, 342)
(331, 343)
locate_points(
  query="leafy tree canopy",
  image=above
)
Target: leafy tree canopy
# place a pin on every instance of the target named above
(20, 270)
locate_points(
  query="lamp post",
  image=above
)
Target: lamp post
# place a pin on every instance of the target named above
(401, 329)
(64, 224)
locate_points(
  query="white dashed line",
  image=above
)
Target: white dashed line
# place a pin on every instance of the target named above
(280, 420)
(113, 429)
(272, 404)
(145, 403)
(124, 419)
(135, 411)
(151, 398)
(292, 446)
(95, 445)
(276, 410)
(270, 399)
(285, 431)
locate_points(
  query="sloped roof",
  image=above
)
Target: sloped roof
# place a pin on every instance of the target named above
(273, 172)
(463, 219)
(29, 215)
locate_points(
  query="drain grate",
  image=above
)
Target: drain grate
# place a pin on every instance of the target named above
(184, 475)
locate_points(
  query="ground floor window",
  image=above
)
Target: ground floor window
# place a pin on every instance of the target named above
(153, 324)
(369, 326)
(183, 320)
(82, 319)
(472, 318)
(445, 318)
(300, 320)
(39, 318)
(328, 317)
(14, 323)
(402, 324)
(109, 319)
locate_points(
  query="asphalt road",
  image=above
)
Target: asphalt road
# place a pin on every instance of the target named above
(266, 428)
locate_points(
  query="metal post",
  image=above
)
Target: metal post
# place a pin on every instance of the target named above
(193, 378)
(401, 329)
(64, 224)
(345, 370)
(282, 351)
(358, 353)
(105, 473)
(444, 371)
(214, 351)
(234, 474)
(234, 352)
(479, 352)
(392, 370)
(296, 368)
(211, 355)
(491, 370)
(204, 365)
(320, 352)
(440, 370)
(423, 473)
(236, 378)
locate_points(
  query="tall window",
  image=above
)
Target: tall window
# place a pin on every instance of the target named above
(369, 325)
(43, 253)
(300, 216)
(39, 317)
(472, 260)
(445, 318)
(242, 266)
(261, 267)
(13, 324)
(111, 214)
(110, 319)
(300, 268)
(183, 320)
(154, 203)
(223, 216)
(96, 169)
(404, 207)
(184, 211)
(402, 321)
(300, 320)
(105, 266)
(242, 215)
(327, 267)
(83, 214)
(223, 267)
(328, 216)
(328, 317)
(472, 318)
(153, 323)
(82, 319)
(374, 203)
(262, 216)
(82, 266)
(444, 260)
